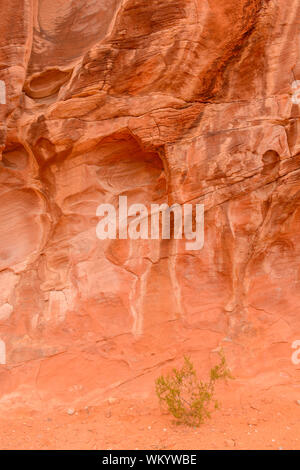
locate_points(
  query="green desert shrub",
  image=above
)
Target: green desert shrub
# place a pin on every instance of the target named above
(186, 397)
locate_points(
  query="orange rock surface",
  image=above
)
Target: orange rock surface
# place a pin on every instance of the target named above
(169, 101)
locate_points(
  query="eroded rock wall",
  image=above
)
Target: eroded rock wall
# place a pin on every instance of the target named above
(162, 101)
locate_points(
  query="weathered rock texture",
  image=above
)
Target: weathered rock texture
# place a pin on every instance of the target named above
(165, 101)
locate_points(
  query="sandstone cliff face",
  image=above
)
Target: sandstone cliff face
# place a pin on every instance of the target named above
(161, 101)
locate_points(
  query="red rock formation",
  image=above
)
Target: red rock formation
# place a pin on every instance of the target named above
(171, 100)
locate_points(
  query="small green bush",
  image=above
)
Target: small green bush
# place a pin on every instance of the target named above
(186, 397)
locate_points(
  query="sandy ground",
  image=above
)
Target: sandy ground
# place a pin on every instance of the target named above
(257, 420)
